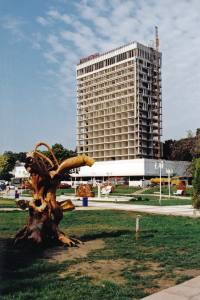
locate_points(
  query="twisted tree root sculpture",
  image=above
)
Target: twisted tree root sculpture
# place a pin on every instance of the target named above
(45, 213)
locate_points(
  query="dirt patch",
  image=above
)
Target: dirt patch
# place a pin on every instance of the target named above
(62, 254)
(111, 270)
(165, 283)
(188, 272)
(162, 283)
(152, 249)
(151, 268)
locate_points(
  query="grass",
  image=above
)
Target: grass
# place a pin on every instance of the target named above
(165, 190)
(65, 191)
(152, 200)
(167, 249)
(125, 190)
(7, 203)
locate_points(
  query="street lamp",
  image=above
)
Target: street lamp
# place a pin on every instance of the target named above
(169, 172)
(159, 165)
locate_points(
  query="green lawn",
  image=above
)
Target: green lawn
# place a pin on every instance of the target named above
(125, 190)
(4, 202)
(165, 190)
(152, 200)
(166, 253)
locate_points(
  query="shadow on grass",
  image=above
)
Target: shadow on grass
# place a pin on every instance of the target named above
(23, 256)
(13, 257)
(19, 265)
(103, 234)
(97, 235)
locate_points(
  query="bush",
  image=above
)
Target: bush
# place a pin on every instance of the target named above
(196, 184)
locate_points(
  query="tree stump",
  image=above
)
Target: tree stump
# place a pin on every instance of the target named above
(45, 213)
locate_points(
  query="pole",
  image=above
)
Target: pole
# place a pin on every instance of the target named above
(137, 226)
(169, 172)
(75, 185)
(99, 190)
(160, 199)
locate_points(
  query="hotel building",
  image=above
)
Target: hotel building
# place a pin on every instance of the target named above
(119, 104)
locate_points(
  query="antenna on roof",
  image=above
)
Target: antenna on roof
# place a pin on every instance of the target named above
(157, 41)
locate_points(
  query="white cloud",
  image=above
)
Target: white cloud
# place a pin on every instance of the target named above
(14, 25)
(42, 21)
(54, 14)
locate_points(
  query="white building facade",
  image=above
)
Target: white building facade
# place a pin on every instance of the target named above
(134, 168)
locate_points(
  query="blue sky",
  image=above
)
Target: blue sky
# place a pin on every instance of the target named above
(43, 40)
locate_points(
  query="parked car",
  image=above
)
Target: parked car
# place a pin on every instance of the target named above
(2, 186)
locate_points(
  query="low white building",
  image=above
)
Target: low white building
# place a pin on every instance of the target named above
(133, 169)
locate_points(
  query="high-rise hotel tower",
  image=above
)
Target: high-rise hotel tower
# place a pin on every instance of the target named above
(119, 111)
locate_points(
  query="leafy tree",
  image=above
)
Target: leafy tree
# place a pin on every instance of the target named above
(198, 131)
(182, 149)
(21, 156)
(179, 150)
(62, 153)
(196, 150)
(8, 161)
(168, 146)
(10, 158)
(3, 166)
(196, 184)
(190, 134)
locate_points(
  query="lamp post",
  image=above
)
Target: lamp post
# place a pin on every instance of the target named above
(159, 165)
(169, 172)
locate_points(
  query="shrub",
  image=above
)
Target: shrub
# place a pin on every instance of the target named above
(196, 184)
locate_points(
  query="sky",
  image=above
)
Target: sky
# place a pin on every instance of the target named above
(43, 40)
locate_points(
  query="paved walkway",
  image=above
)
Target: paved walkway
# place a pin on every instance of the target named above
(189, 290)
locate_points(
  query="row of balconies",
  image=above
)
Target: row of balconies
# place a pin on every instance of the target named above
(106, 120)
(108, 143)
(109, 71)
(122, 89)
(113, 131)
(100, 112)
(107, 84)
(120, 100)
(108, 114)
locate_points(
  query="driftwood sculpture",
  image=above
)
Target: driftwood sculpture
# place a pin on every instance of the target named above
(45, 213)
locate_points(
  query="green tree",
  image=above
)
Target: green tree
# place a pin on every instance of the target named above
(62, 153)
(3, 166)
(196, 149)
(189, 134)
(168, 147)
(196, 184)
(10, 159)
